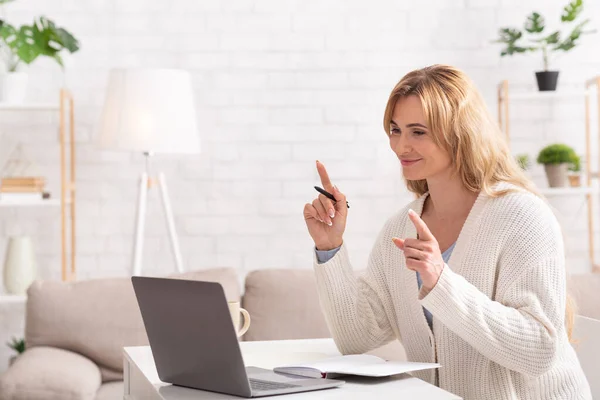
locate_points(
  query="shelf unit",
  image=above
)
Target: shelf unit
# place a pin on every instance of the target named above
(590, 87)
(66, 202)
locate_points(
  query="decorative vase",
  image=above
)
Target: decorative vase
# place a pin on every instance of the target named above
(547, 80)
(13, 87)
(575, 180)
(12, 360)
(557, 174)
(19, 265)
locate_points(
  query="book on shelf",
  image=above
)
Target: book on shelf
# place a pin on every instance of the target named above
(357, 364)
(23, 181)
(21, 189)
(22, 185)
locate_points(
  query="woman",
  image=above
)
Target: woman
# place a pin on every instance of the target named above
(472, 273)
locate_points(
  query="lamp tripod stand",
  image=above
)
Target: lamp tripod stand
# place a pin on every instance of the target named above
(146, 183)
(150, 110)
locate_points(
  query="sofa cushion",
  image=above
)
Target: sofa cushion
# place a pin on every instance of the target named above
(283, 304)
(109, 375)
(97, 318)
(47, 373)
(110, 391)
(585, 290)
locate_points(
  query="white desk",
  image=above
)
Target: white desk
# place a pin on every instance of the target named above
(142, 382)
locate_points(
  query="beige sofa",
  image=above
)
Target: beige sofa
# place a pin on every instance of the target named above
(75, 332)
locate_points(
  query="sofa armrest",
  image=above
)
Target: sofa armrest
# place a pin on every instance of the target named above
(51, 374)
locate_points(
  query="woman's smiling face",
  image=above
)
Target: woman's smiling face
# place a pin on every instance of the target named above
(412, 141)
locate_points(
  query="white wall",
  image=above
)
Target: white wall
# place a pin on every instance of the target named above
(279, 83)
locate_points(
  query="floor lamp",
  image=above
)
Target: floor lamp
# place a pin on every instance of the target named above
(150, 111)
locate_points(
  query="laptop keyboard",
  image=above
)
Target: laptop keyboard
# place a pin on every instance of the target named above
(259, 385)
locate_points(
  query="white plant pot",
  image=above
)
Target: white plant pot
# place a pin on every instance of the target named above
(19, 265)
(557, 174)
(13, 87)
(12, 360)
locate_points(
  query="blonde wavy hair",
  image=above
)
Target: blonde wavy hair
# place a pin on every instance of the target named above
(462, 125)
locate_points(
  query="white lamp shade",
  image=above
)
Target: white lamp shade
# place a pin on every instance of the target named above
(149, 110)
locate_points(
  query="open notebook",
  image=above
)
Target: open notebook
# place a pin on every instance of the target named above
(360, 364)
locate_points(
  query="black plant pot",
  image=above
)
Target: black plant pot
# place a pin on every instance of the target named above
(547, 80)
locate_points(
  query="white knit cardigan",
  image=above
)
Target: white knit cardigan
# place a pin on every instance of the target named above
(498, 307)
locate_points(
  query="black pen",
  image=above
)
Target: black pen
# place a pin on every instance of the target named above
(328, 195)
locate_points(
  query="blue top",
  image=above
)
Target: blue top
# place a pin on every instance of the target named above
(446, 256)
(326, 255)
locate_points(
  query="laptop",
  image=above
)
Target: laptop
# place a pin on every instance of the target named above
(194, 342)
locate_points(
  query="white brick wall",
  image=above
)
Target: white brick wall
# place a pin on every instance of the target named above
(278, 84)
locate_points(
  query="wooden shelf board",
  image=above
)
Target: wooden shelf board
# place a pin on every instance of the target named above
(29, 107)
(30, 203)
(567, 94)
(568, 191)
(12, 298)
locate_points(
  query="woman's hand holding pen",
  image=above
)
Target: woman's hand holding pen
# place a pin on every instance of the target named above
(423, 254)
(326, 218)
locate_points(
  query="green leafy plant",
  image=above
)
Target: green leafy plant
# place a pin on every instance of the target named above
(524, 161)
(17, 345)
(28, 42)
(575, 165)
(538, 40)
(557, 154)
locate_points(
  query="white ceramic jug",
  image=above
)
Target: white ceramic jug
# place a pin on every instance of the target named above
(19, 265)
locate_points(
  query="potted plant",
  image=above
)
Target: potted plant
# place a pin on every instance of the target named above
(524, 161)
(23, 45)
(556, 159)
(17, 345)
(546, 43)
(575, 175)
